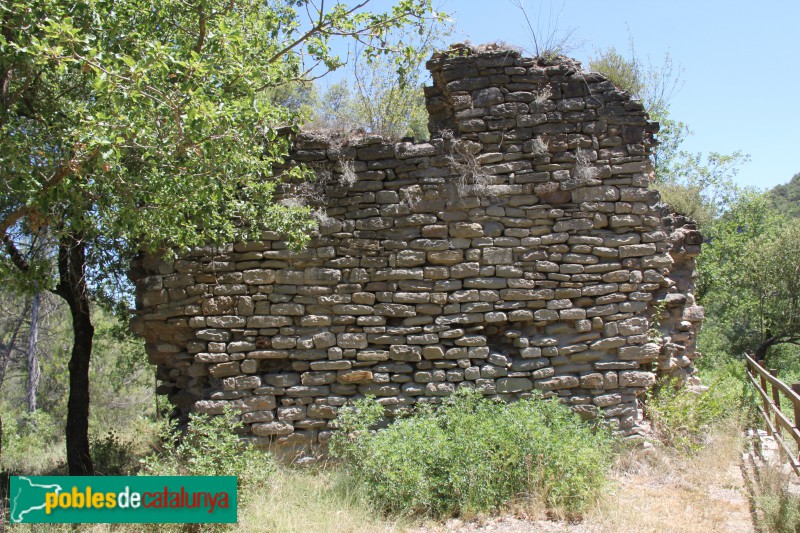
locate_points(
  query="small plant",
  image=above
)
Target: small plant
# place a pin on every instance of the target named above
(112, 456)
(321, 216)
(547, 39)
(682, 416)
(471, 178)
(542, 96)
(209, 447)
(347, 170)
(654, 333)
(583, 169)
(777, 504)
(474, 455)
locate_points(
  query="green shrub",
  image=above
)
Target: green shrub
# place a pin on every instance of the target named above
(31, 444)
(474, 455)
(682, 416)
(209, 447)
(113, 456)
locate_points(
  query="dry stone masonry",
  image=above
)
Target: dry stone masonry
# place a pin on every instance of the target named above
(520, 249)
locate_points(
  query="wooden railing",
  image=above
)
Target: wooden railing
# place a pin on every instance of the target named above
(770, 389)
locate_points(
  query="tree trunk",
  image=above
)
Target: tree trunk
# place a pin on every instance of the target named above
(761, 351)
(769, 340)
(33, 361)
(72, 287)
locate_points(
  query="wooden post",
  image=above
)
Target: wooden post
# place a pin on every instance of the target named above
(796, 388)
(763, 381)
(776, 398)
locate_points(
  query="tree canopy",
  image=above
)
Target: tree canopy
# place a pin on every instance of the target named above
(129, 125)
(750, 277)
(786, 197)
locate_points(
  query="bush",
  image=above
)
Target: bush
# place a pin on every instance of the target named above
(682, 416)
(474, 455)
(31, 444)
(209, 447)
(113, 456)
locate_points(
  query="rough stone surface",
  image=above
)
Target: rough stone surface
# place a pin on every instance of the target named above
(518, 250)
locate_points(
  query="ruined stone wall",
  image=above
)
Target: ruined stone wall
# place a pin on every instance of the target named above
(520, 249)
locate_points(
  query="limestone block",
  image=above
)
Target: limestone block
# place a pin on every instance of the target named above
(352, 340)
(272, 428)
(512, 385)
(354, 376)
(557, 383)
(634, 378)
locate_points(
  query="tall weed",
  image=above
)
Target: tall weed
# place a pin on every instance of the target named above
(777, 504)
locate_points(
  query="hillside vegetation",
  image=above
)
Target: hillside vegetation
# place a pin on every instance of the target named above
(786, 197)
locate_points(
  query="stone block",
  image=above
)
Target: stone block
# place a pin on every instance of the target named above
(512, 385)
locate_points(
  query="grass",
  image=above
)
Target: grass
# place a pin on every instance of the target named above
(315, 500)
(776, 499)
(302, 501)
(660, 489)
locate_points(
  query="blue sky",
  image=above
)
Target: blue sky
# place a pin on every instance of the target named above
(741, 71)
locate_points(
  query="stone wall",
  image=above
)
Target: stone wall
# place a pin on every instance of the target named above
(520, 249)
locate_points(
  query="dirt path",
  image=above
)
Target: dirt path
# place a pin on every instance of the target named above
(654, 491)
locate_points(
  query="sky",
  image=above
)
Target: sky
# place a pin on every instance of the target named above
(739, 61)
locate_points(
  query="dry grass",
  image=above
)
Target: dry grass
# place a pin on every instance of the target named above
(654, 489)
(306, 501)
(777, 499)
(660, 490)
(293, 501)
(472, 179)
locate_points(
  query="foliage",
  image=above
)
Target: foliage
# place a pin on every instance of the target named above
(786, 197)
(654, 85)
(379, 97)
(474, 455)
(700, 187)
(15, 326)
(30, 443)
(129, 126)
(208, 447)
(749, 279)
(772, 274)
(121, 379)
(683, 416)
(113, 127)
(121, 383)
